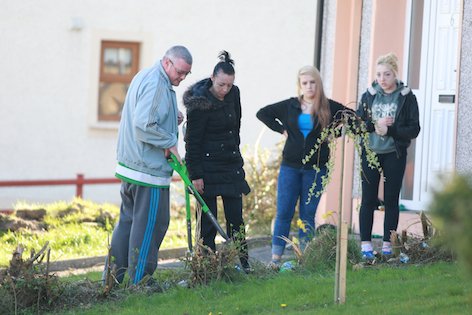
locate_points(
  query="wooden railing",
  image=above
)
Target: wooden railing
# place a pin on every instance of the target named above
(78, 182)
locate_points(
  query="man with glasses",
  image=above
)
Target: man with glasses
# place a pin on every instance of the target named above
(147, 135)
(180, 73)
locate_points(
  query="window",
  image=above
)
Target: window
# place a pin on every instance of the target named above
(414, 67)
(416, 37)
(118, 64)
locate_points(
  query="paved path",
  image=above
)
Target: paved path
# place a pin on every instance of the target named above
(259, 250)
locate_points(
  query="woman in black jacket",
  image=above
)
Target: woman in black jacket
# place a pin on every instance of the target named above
(212, 155)
(301, 120)
(390, 111)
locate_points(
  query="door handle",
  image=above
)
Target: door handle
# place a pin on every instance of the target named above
(447, 98)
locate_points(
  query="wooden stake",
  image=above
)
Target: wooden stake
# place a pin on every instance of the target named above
(341, 239)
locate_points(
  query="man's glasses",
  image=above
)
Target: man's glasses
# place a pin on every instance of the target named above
(179, 72)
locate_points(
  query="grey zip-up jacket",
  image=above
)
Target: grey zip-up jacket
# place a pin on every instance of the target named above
(148, 126)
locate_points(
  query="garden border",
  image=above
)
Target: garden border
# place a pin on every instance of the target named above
(164, 254)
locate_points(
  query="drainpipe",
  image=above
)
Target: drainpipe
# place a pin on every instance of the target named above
(318, 33)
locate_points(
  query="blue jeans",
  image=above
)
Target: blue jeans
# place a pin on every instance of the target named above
(293, 185)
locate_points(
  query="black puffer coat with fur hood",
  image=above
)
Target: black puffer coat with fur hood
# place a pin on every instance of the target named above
(212, 140)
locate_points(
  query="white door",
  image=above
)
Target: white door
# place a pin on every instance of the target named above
(442, 119)
(435, 147)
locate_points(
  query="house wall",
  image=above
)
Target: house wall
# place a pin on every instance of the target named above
(381, 30)
(368, 48)
(388, 32)
(363, 80)
(464, 108)
(360, 32)
(50, 73)
(341, 81)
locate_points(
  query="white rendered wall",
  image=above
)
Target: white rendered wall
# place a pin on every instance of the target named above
(464, 115)
(49, 75)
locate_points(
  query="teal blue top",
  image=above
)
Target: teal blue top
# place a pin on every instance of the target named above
(305, 124)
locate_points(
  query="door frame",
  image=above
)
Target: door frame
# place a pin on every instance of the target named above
(424, 94)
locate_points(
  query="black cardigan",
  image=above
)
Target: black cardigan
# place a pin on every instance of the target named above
(212, 140)
(284, 116)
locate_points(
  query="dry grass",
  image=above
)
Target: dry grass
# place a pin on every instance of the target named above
(27, 283)
(206, 265)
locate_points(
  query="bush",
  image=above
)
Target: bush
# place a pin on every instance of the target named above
(451, 209)
(27, 284)
(262, 170)
(320, 253)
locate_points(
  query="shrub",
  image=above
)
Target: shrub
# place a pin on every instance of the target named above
(27, 284)
(262, 169)
(206, 265)
(452, 210)
(320, 253)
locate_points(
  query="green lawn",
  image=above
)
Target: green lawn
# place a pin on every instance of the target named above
(439, 288)
(80, 229)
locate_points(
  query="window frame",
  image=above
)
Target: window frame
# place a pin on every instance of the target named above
(116, 78)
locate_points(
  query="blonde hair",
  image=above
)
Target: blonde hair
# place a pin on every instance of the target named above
(321, 107)
(389, 60)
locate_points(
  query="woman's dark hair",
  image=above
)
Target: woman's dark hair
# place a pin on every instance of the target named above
(225, 64)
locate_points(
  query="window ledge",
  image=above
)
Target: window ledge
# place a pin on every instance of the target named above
(106, 125)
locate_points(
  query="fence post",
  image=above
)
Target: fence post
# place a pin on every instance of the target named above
(79, 185)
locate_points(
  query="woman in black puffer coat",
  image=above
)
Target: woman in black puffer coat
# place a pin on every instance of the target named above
(212, 154)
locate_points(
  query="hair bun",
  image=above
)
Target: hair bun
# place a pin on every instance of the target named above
(225, 56)
(389, 59)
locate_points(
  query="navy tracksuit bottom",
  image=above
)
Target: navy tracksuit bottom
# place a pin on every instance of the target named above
(143, 223)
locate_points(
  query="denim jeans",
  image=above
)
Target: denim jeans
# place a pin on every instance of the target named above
(293, 185)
